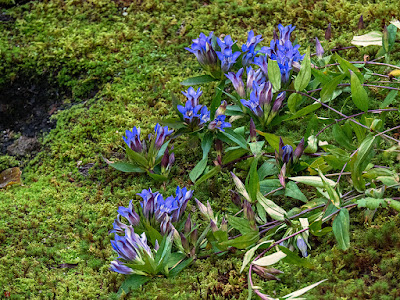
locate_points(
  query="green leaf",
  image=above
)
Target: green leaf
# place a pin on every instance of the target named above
(179, 268)
(274, 74)
(152, 234)
(157, 177)
(136, 157)
(235, 137)
(241, 224)
(333, 195)
(125, 167)
(198, 170)
(394, 204)
(347, 66)
(292, 190)
(250, 253)
(267, 169)
(268, 185)
(270, 259)
(132, 282)
(198, 80)
(371, 203)
(253, 186)
(358, 93)
(329, 88)
(320, 76)
(360, 160)
(233, 154)
(161, 152)
(389, 99)
(315, 229)
(206, 144)
(305, 111)
(342, 138)
(240, 187)
(294, 259)
(273, 210)
(341, 228)
(293, 100)
(256, 147)
(303, 78)
(216, 102)
(273, 140)
(214, 171)
(243, 241)
(315, 181)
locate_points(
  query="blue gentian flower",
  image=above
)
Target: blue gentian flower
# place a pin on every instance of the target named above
(253, 104)
(301, 244)
(150, 202)
(193, 96)
(204, 51)
(161, 134)
(219, 123)
(131, 248)
(132, 139)
(119, 267)
(254, 76)
(129, 213)
(285, 32)
(204, 115)
(287, 155)
(237, 82)
(182, 197)
(189, 112)
(282, 51)
(249, 48)
(226, 55)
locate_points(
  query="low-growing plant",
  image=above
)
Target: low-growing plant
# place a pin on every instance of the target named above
(281, 85)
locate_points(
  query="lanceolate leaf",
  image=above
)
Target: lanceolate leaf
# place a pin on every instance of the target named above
(273, 210)
(304, 76)
(358, 93)
(360, 160)
(198, 80)
(341, 227)
(269, 259)
(132, 282)
(198, 169)
(329, 88)
(125, 166)
(274, 74)
(315, 181)
(249, 254)
(217, 99)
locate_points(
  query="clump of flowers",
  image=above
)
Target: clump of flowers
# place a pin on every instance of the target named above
(151, 156)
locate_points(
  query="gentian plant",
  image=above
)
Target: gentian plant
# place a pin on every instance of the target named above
(151, 156)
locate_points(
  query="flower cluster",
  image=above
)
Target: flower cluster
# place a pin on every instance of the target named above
(133, 141)
(193, 113)
(249, 49)
(214, 59)
(281, 50)
(196, 115)
(132, 249)
(155, 210)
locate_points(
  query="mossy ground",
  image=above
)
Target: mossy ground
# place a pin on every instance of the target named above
(62, 215)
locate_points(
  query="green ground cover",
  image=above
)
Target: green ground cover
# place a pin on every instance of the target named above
(62, 216)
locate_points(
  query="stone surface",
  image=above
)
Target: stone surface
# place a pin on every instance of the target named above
(23, 146)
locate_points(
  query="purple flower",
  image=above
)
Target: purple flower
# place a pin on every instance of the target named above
(161, 134)
(237, 82)
(219, 123)
(253, 104)
(193, 96)
(119, 267)
(189, 112)
(262, 62)
(150, 202)
(182, 197)
(131, 247)
(226, 55)
(285, 32)
(320, 51)
(204, 51)
(130, 214)
(132, 139)
(287, 155)
(249, 48)
(301, 244)
(254, 77)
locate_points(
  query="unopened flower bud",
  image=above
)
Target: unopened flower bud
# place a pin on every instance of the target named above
(188, 225)
(301, 244)
(328, 32)
(193, 237)
(253, 133)
(213, 226)
(185, 242)
(264, 273)
(236, 198)
(221, 109)
(299, 150)
(320, 51)
(224, 224)
(361, 23)
(165, 159)
(237, 82)
(281, 175)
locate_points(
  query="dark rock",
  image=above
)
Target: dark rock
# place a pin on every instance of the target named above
(23, 146)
